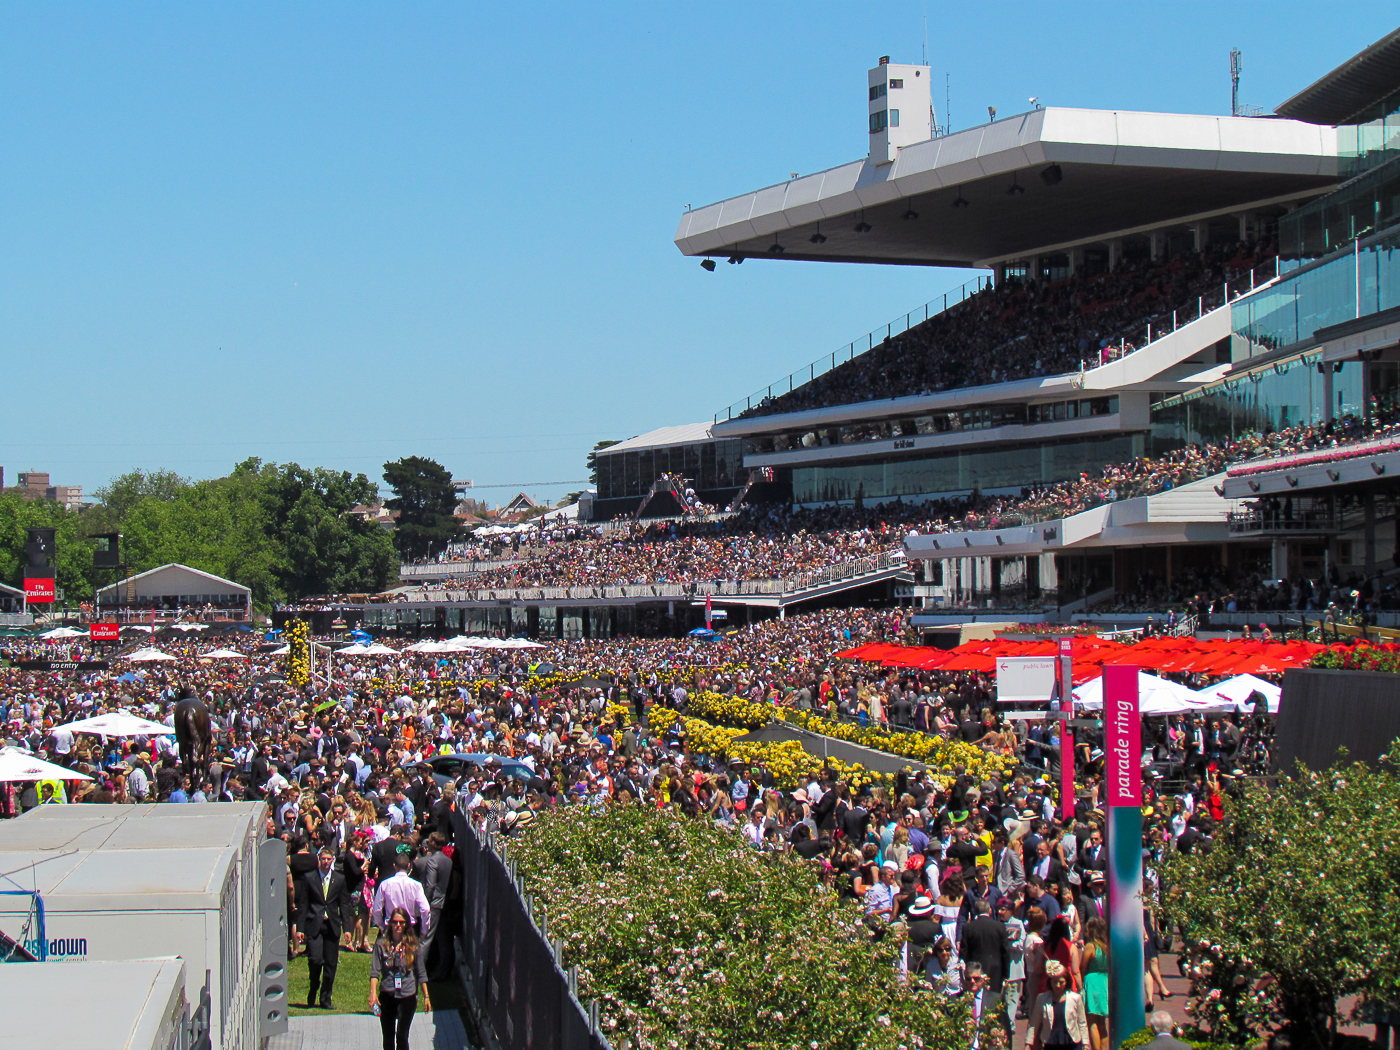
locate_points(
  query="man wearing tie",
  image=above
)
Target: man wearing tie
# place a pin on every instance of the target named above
(319, 917)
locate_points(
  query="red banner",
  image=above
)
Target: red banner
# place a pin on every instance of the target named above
(1122, 728)
(105, 632)
(38, 590)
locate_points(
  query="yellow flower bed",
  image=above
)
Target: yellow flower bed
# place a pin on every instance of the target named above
(941, 755)
(734, 709)
(298, 665)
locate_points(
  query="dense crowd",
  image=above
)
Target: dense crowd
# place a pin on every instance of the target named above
(1025, 328)
(980, 876)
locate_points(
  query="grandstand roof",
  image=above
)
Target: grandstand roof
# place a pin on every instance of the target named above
(1356, 84)
(1118, 173)
(684, 434)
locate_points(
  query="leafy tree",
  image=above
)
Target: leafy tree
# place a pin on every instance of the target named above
(426, 502)
(1295, 907)
(592, 460)
(19, 513)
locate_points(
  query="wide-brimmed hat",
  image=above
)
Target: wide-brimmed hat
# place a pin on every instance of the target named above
(922, 906)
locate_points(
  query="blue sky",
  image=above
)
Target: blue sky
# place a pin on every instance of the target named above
(344, 233)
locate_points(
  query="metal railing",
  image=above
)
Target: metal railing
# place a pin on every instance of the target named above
(454, 568)
(1234, 288)
(779, 587)
(849, 352)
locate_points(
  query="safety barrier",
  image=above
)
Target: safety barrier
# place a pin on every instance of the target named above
(511, 968)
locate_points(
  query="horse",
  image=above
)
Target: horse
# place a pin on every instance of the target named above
(194, 733)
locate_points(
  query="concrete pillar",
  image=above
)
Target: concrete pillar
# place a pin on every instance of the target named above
(1049, 576)
(1246, 224)
(1365, 367)
(1115, 254)
(1279, 558)
(1327, 392)
(1200, 235)
(1157, 245)
(1076, 260)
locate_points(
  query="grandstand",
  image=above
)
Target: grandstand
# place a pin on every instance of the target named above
(1176, 385)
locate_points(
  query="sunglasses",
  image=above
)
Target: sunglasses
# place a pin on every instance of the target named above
(398, 922)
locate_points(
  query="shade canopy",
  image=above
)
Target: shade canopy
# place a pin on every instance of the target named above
(1236, 692)
(59, 633)
(223, 654)
(148, 656)
(119, 723)
(1156, 696)
(21, 765)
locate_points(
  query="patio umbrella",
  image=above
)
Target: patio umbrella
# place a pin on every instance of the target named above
(284, 651)
(148, 656)
(20, 765)
(190, 626)
(223, 654)
(62, 632)
(1236, 691)
(119, 723)
(520, 643)
(380, 649)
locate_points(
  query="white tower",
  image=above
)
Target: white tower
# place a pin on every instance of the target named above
(901, 108)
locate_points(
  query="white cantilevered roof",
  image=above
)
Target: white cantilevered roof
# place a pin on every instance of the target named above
(1117, 173)
(684, 434)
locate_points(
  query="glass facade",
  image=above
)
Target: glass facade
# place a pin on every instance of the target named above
(979, 418)
(1348, 285)
(706, 465)
(1007, 466)
(1273, 399)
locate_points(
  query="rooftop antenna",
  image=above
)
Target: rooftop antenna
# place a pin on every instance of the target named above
(923, 60)
(947, 102)
(1236, 64)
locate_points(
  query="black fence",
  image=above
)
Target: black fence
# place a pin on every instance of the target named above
(510, 966)
(1324, 710)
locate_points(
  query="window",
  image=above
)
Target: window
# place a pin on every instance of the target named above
(895, 85)
(877, 91)
(894, 118)
(877, 122)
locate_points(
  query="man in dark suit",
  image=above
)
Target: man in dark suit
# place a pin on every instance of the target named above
(319, 918)
(984, 941)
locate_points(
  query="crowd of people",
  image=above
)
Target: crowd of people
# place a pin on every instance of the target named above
(1024, 328)
(981, 876)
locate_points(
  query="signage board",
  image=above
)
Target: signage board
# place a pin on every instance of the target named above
(38, 590)
(1122, 736)
(105, 632)
(1025, 679)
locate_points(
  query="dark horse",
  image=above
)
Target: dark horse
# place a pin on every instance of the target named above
(194, 733)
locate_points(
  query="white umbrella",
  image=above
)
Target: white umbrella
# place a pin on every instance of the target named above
(20, 765)
(148, 656)
(358, 649)
(223, 654)
(190, 626)
(477, 643)
(284, 651)
(1235, 691)
(379, 649)
(429, 646)
(1156, 696)
(63, 632)
(520, 643)
(138, 627)
(119, 723)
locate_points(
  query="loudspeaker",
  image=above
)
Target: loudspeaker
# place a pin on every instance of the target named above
(272, 913)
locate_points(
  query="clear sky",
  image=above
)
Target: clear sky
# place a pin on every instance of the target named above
(342, 233)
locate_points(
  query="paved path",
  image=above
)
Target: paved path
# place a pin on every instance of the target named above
(440, 1030)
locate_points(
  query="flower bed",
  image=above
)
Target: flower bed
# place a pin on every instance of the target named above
(942, 755)
(688, 937)
(1357, 658)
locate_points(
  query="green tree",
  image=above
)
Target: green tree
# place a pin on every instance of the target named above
(592, 460)
(74, 557)
(1295, 907)
(426, 502)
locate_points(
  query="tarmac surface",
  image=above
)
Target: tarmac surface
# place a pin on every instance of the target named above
(439, 1030)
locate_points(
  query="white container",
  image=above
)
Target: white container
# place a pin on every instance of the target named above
(134, 1005)
(134, 882)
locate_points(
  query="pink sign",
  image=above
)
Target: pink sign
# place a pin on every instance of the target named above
(1122, 727)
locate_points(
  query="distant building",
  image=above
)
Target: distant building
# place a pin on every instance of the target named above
(35, 485)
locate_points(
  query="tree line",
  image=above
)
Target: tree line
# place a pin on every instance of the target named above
(284, 530)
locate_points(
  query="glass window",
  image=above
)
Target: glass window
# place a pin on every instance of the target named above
(894, 118)
(895, 85)
(877, 121)
(878, 91)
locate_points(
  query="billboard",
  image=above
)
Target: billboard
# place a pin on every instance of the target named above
(38, 590)
(105, 632)
(1025, 679)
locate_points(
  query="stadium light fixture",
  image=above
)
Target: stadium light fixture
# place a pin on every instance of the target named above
(708, 265)
(1052, 175)
(862, 226)
(961, 202)
(1015, 189)
(818, 237)
(735, 260)
(776, 249)
(910, 214)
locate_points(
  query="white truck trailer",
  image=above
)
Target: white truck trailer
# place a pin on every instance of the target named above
(197, 881)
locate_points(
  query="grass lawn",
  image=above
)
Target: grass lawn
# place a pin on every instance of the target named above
(351, 992)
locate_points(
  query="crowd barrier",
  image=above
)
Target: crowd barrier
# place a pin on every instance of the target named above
(508, 963)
